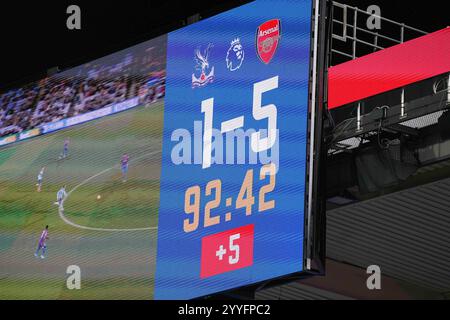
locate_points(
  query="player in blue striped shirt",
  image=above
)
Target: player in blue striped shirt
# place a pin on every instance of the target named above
(60, 196)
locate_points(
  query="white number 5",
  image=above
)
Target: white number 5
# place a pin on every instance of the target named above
(260, 112)
(235, 248)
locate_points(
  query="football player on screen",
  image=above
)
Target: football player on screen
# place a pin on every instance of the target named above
(60, 196)
(42, 244)
(65, 152)
(39, 178)
(124, 165)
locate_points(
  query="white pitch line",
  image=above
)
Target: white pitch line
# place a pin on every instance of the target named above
(73, 224)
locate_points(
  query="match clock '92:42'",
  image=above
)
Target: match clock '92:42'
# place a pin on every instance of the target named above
(244, 200)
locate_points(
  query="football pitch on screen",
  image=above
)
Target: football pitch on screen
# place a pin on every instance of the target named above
(109, 223)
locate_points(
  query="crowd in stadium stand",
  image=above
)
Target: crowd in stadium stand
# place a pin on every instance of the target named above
(93, 87)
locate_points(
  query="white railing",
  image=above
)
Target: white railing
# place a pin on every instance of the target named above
(355, 34)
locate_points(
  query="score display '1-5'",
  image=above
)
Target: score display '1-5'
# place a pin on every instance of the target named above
(245, 199)
(259, 112)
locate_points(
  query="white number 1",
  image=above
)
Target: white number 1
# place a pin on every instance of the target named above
(235, 248)
(207, 109)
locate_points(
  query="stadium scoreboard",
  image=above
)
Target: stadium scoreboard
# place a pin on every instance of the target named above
(217, 127)
(236, 145)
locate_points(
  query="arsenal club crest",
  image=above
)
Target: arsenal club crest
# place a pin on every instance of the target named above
(267, 38)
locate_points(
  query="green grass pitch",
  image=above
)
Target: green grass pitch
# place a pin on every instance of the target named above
(112, 238)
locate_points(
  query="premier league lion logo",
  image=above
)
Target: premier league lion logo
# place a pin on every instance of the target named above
(235, 55)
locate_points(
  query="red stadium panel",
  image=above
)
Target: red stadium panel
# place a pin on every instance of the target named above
(388, 69)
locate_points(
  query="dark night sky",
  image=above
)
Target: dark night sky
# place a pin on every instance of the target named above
(34, 36)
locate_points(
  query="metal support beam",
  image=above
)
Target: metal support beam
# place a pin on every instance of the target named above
(370, 122)
(402, 104)
(403, 129)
